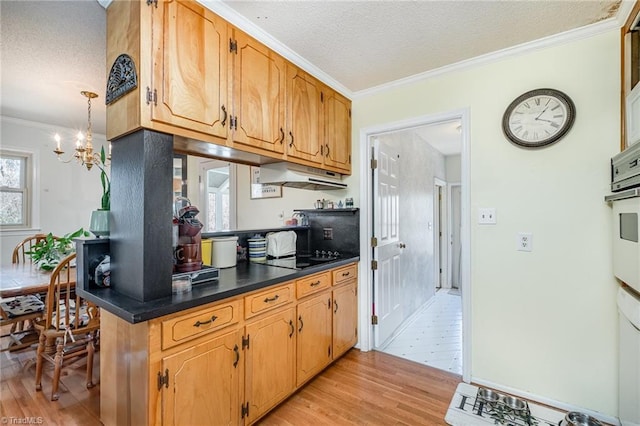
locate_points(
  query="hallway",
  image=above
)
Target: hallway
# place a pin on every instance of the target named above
(434, 335)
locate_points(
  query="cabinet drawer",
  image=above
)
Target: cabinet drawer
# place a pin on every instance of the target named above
(312, 284)
(345, 274)
(200, 323)
(266, 300)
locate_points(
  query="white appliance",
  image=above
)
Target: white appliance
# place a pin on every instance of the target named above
(281, 244)
(298, 176)
(626, 244)
(629, 357)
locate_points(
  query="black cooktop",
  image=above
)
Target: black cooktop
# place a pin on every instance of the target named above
(302, 261)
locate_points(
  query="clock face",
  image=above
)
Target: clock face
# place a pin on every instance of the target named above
(538, 118)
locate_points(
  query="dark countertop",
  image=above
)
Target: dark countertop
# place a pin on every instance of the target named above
(243, 278)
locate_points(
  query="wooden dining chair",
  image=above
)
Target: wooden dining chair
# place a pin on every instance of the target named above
(20, 311)
(68, 329)
(20, 251)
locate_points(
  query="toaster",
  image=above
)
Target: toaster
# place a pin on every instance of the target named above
(281, 244)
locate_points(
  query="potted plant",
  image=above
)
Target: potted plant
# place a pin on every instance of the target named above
(49, 251)
(100, 218)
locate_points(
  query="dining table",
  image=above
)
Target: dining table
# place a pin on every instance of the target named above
(20, 279)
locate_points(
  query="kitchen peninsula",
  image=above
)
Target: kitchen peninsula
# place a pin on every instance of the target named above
(228, 351)
(231, 349)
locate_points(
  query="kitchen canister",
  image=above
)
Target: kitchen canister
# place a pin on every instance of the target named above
(223, 252)
(257, 248)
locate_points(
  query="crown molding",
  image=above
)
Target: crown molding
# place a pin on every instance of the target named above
(104, 3)
(524, 48)
(234, 18)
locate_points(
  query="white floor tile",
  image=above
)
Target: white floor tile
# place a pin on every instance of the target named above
(434, 337)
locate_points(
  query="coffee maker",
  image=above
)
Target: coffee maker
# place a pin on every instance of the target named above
(187, 249)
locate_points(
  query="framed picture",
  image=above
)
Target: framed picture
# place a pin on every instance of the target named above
(259, 190)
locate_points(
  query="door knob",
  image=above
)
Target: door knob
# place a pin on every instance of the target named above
(402, 245)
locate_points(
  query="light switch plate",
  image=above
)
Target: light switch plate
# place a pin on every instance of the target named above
(487, 216)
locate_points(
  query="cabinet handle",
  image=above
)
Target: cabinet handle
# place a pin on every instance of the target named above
(224, 118)
(272, 299)
(292, 328)
(281, 136)
(199, 323)
(315, 283)
(345, 274)
(235, 349)
(291, 143)
(335, 306)
(327, 151)
(301, 323)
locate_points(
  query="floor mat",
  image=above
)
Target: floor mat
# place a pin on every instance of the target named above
(466, 409)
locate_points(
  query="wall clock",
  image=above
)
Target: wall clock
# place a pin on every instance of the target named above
(538, 118)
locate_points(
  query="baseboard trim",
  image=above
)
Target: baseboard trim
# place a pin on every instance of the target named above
(546, 401)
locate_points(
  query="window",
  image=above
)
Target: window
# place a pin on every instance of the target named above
(217, 191)
(15, 188)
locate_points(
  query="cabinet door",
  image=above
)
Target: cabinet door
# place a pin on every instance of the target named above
(204, 383)
(258, 96)
(190, 67)
(314, 336)
(269, 362)
(305, 116)
(337, 148)
(345, 318)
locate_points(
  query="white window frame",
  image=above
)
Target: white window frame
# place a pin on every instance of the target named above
(205, 165)
(31, 190)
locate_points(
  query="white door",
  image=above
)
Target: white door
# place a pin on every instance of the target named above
(387, 278)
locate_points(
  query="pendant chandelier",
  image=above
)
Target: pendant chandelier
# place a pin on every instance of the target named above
(83, 152)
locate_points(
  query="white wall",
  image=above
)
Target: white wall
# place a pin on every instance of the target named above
(453, 165)
(270, 212)
(67, 193)
(542, 322)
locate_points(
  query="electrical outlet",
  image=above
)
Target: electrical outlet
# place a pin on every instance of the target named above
(487, 216)
(524, 241)
(327, 233)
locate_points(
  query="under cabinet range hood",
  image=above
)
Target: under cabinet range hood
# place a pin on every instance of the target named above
(298, 176)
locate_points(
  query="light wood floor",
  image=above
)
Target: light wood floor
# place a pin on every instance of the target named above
(361, 388)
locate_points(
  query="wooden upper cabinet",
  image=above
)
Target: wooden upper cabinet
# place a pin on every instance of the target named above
(189, 80)
(630, 66)
(337, 142)
(258, 95)
(305, 115)
(201, 78)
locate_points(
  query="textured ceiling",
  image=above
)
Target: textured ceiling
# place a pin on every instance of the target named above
(363, 44)
(51, 50)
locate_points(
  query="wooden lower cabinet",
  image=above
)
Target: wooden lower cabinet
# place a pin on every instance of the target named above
(314, 336)
(228, 362)
(345, 318)
(269, 363)
(202, 383)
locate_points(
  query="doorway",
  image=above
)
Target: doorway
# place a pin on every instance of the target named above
(370, 300)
